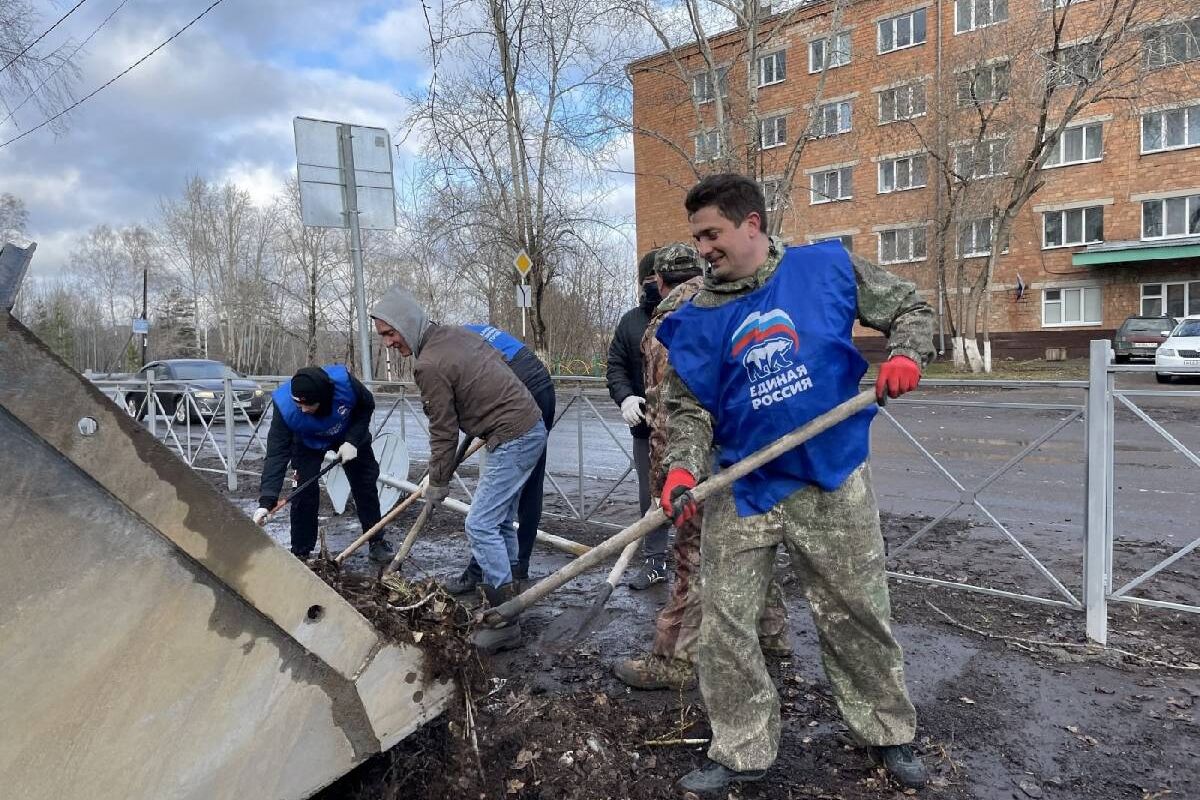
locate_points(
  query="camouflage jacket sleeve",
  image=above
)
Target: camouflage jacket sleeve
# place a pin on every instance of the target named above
(689, 427)
(654, 367)
(891, 305)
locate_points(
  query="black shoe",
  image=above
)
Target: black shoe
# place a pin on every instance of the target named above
(467, 582)
(653, 570)
(902, 764)
(520, 571)
(380, 551)
(714, 778)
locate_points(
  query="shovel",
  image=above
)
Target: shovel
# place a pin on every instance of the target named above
(281, 503)
(508, 611)
(407, 545)
(400, 507)
(587, 621)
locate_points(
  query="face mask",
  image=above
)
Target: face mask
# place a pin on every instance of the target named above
(651, 296)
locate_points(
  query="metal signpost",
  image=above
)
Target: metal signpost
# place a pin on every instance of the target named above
(345, 174)
(523, 263)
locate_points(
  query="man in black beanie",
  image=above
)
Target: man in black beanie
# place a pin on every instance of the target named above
(626, 386)
(321, 409)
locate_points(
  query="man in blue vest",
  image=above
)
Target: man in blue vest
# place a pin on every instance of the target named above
(764, 347)
(322, 409)
(533, 373)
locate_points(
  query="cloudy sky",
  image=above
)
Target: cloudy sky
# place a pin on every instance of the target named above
(217, 102)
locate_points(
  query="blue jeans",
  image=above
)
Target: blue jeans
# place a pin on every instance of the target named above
(490, 522)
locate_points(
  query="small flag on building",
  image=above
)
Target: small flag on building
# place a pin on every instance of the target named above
(1020, 287)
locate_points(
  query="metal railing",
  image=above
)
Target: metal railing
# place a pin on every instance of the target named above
(195, 426)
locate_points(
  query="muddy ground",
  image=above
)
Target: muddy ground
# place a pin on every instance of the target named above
(1012, 703)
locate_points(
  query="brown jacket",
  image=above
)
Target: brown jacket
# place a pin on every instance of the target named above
(465, 385)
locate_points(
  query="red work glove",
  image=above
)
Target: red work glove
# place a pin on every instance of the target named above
(677, 498)
(897, 375)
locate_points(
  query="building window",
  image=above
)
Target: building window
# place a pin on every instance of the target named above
(901, 245)
(1170, 299)
(971, 15)
(974, 238)
(906, 30)
(1049, 4)
(708, 145)
(1169, 217)
(772, 132)
(1077, 145)
(1072, 226)
(1171, 130)
(1077, 64)
(901, 102)
(702, 85)
(899, 174)
(831, 119)
(987, 84)
(1071, 306)
(846, 240)
(832, 184)
(981, 159)
(772, 68)
(1171, 44)
(832, 52)
(771, 193)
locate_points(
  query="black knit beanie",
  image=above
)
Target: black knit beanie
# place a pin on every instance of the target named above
(311, 385)
(646, 267)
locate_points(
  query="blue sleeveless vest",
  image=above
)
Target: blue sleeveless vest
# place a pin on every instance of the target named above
(772, 360)
(319, 433)
(507, 344)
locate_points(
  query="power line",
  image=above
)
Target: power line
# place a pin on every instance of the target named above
(67, 60)
(30, 46)
(113, 79)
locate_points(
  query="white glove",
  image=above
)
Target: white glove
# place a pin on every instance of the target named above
(633, 409)
(347, 452)
(260, 516)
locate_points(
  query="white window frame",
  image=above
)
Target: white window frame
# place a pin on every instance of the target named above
(709, 91)
(1048, 5)
(776, 126)
(913, 160)
(910, 91)
(1059, 147)
(845, 114)
(1191, 206)
(975, 251)
(1191, 119)
(1061, 71)
(702, 154)
(820, 195)
(1189, 298)
(770, 189)
(1062, 215)
(832, 44)
(778, 62)
(1191, 36)
(991, 145)
(974, 5)
(911, 234)
(1061, 302)
(993, 69)
(892, 23)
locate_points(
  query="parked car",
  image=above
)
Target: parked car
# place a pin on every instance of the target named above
(205, 380)
(1181, 349)
(1139, 337)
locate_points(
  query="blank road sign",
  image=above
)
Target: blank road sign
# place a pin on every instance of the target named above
(319, 168)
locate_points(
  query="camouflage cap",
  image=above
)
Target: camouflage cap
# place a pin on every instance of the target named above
(677, 262)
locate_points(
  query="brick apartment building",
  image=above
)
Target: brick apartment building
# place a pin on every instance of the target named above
(899, 96)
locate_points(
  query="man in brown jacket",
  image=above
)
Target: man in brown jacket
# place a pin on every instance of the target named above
(671, 664)
(465, 385)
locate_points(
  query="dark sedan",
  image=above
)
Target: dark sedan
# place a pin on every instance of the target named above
(204, 381)
(1139, 337)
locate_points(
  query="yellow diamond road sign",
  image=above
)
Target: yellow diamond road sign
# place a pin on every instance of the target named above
(523, 263)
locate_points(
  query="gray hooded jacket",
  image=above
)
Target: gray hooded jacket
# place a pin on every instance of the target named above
(464, 383)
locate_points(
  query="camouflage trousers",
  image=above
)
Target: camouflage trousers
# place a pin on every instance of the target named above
(837, 551)
(677, 628)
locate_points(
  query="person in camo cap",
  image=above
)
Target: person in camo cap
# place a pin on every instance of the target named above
(764, 347)
(679, 270)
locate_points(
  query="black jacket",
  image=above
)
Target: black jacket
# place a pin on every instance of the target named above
(281, 442)
(624, 373)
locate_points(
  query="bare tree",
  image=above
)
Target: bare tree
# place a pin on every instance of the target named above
(31, 72)
(14, 219)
